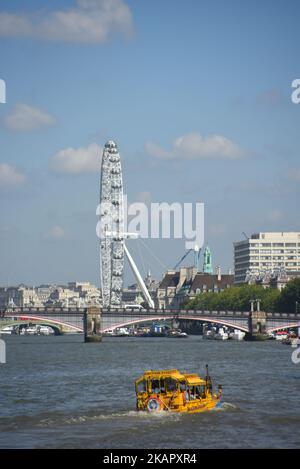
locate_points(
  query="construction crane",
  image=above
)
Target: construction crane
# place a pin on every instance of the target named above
(196, 249)
(183, 257)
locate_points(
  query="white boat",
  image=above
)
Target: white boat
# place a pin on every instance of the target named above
(281, 335)
(209, 334)
(122, 331)
(237, 335)
(221, 334)
(118, 332)
(45, 330)
(7, 330)
(31, 330)
(183, 335)
(177, 333)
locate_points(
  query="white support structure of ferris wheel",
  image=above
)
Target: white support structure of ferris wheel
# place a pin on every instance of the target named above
(112, 243)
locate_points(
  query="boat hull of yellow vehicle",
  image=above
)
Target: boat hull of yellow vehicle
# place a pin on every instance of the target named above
(172, 391)
(201, 406)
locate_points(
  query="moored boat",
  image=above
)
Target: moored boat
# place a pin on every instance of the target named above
(7, 330)
(222, 334)
(209, 334)
(291, 339)
(31, 330)
(45, 330)
(237, 334)
(173, 391)
(176, 333)
(118, 332)
(281, 335)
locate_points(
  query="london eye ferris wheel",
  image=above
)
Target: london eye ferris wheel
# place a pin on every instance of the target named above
(112, 235)
(112, 226)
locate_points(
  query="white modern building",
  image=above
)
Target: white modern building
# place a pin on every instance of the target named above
(266, 252)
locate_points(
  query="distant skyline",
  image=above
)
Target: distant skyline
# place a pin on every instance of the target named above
(197, 95)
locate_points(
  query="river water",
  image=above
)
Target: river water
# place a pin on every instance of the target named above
(57, 392)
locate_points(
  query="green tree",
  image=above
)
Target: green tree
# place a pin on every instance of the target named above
(289, 297)
(236, 298)
(270, 299)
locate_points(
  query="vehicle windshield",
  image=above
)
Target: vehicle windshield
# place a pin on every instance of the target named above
(155, 385)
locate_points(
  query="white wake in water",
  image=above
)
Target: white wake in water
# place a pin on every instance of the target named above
(225, 407)
(131, 414)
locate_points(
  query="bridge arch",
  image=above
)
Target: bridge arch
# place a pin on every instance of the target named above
(55, 327)
(283, 326)
(224, 322)
(56, 324)
(133, 321)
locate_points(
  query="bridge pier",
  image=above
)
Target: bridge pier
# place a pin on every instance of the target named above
(92, 324)
(257, 326)
(175, 323)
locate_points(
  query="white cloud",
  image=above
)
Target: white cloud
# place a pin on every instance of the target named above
(77, 160)
(90, 21)
(157, 151)
(9, 176)
(25, 118)
(14, 25)
(193, 146)
(56, 232)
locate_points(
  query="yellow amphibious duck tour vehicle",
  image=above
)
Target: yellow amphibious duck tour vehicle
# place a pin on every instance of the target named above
(170, 390)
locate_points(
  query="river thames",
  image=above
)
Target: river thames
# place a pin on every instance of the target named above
(57, 392)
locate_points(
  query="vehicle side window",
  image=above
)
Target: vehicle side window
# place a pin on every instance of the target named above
(182, 386)
(142, 386)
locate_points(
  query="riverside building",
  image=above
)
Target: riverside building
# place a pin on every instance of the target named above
(267, 252)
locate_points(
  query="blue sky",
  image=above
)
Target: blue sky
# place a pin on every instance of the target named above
(144, 73)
